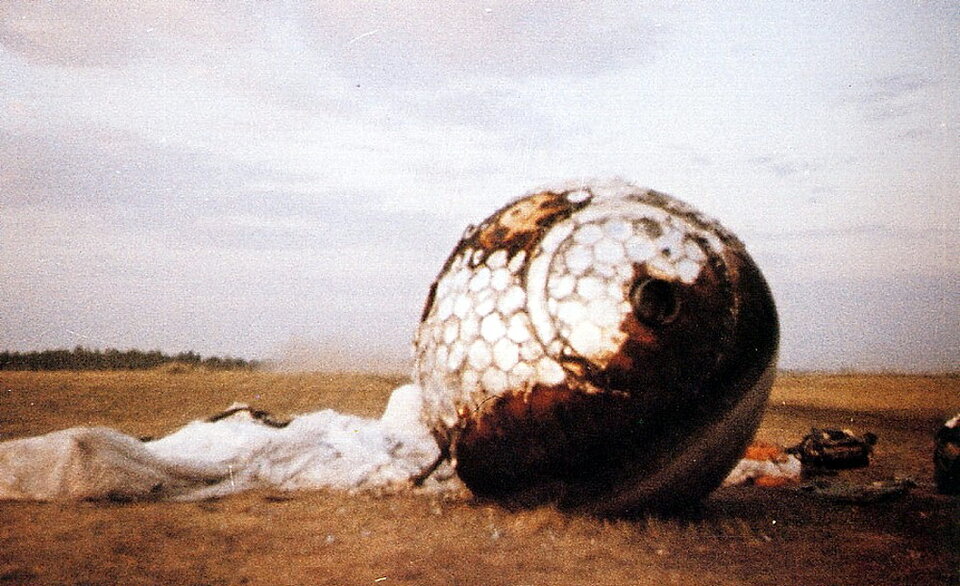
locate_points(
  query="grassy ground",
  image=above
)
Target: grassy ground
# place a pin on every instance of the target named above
(740, 535)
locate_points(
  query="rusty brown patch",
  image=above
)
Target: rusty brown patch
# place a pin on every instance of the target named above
(428, 304)
(638, 332)
(517, 226)
(525, 441)
(520, 225)
(666, 360)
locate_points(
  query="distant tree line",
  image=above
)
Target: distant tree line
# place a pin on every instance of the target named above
(81, 358)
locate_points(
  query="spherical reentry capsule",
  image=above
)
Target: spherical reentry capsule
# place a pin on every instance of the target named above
(600, 345)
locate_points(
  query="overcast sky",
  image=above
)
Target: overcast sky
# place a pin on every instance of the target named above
(285, 178)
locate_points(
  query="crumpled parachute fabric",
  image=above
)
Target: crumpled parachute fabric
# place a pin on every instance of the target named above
(321, 450)
(325, 449)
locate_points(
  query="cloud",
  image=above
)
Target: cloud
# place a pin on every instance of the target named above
(136, 183)
(423, 41)
(892, 86)
(856, 251)
(100, 33)
(904, 94)
(886, 323)
(783, 166)
(237, 174)
(213, 283)
(939, 235)
(89, 166)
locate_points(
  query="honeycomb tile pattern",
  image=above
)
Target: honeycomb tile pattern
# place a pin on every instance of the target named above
(546, 280)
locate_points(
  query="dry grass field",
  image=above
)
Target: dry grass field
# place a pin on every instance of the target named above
(740, 535)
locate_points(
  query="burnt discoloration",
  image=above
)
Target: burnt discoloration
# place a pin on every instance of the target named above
(521, 442)
(516, 227)
(520, 225)
(672, 354)
(587, 345)
(428, 304)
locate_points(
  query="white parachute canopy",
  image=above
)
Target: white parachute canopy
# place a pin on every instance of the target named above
(213, 458)
(241, 450)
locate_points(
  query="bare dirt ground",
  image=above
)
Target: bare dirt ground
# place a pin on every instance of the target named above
(740, 535)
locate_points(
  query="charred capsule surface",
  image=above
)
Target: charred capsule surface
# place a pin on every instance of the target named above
(601, 345)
